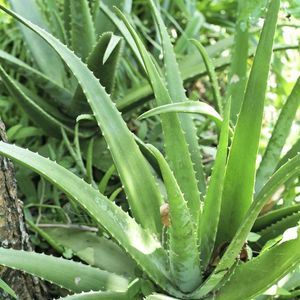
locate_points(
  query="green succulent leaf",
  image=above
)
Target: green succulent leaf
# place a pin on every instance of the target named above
(286, 257)
(278, 228)
(183, 248)
(209, 219)
(103, 64)
(274, 216)
(144, 248)
(240, 171)
(48, 123)
(192, 107)
(159, 297)
(46, 59)
(177, 94)
(95, 250)
(97, 296)
(176, 148)
(286, 172)
(212, 75)
(238, 67)
(144, 197)
(279, 136)
(59, 95)
(83, 35)
(71, 275)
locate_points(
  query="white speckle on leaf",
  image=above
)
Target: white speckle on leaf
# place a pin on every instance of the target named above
(77, 280)
(235, 78)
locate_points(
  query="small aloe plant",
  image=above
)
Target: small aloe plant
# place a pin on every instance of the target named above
(196, 249)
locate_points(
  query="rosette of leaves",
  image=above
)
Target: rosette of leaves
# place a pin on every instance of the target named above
(201, 251)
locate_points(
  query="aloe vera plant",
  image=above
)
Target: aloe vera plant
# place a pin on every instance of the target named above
(189, 240)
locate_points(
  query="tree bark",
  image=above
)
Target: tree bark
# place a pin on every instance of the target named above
(13, 232)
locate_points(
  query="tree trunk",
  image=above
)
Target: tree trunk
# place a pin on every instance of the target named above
(13, 232)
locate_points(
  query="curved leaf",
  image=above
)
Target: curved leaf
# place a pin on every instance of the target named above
(212, 75)
(286, 172)
(71, 275)
(97, 296)
(177, 151)
(144, 248)
(209, 219)
(183, 248)
(240, 171)
(35, 112)
(177, 94)
(278, 228)
(104, 68)
(279, 135)
(143, 196)
(192, 107)
(46, 59)
(278, 261)
(60, 95)
(95, 250)
(274, 216)
(83, 35)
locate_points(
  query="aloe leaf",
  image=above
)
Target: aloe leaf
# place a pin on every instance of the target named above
(176, 148)
(144, 248)
(279, 135)
(159, 297)
(212, 75)
(193, 107)
(286, 257)
(191, 31)
(183, 248)
(83, 35)
(291, 153)
(238, 67)
(240, 172)
(286, 172)
(274, 216)
(177, 94)
(60, 95)
(104, 68)
(71, 275)
(46, 59)
(124, 31)
(95, 250)
(48, 105)
(67, 20)
(143, 196)
(277, 228)
(209, 219)
(35, 112)
(97, 296)
(6, 288)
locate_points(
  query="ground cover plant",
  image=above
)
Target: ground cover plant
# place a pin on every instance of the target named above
(186, 237)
